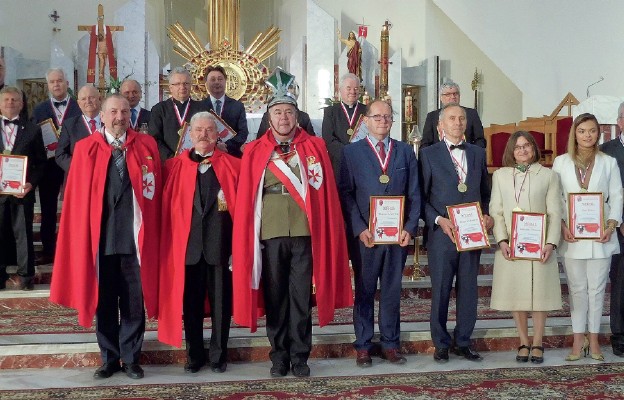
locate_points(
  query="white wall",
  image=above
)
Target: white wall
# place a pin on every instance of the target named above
(548, 48)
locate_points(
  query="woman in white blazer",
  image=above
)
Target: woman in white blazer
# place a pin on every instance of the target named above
(585, 169)
(523, 286)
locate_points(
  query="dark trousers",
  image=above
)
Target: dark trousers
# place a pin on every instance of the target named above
(17, 218)
(49, 188)
(120, 314)
(445, 263)
(287, 286)
(215, 281)
(616, 275)
(383, 263)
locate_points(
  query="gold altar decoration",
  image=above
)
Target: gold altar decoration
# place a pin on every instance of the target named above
(244, 68)
(383, 74)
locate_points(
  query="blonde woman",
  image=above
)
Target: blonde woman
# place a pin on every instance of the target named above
(586, 262)
(524, 286)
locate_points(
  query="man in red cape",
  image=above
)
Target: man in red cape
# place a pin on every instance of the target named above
(90, 276)
(196, 245)
(320, 272)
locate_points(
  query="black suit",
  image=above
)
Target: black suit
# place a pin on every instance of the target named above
(474, 128)
(334, 131)
(164, 126)
(144, 118)
(207, 272)
(72, 131)
(439, 187)
(18, 213)
(52, 179)
(303, 119)
(615, 149)
(233, 113)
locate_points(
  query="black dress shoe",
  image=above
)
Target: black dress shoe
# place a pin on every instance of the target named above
(26, 283)
(468, 353)
(520, 358)
(133, 371)
(301, 369)
(193, 367)
(618, 351)
(107, 370)
(278, 370)
(441, 354)
(218, 367)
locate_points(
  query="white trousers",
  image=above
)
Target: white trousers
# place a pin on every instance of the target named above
(587, 280)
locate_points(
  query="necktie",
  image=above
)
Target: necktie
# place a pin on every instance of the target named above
(58, 104)
(92, 125)
(118, 157)
(460, 146)
(133, 116)
(285, 146)
(382, 150)
(218, 107)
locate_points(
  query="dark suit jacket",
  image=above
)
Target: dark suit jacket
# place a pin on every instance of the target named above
(615, 149)
(72, 130)
(28, 142)
(303, 119)
(439, 181)
(44, 111)
(359, 179)
(144, 117)
(474, 128)
(334, 131)
(233, 113)
(211, 229)
(163, 125)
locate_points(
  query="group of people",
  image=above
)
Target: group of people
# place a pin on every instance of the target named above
(236, 230)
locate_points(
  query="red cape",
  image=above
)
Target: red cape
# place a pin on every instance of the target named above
(178, 193)
(331, 274)
(74, 281)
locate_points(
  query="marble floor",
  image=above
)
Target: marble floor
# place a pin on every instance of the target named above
(22, 379)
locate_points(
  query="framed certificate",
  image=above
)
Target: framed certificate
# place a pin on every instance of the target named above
(386, 218)
(360, 131)
(225, 131)
(470, 233)
(527, 235)
(50, 136)
(12, 174)
(585, 215)
(185, 142)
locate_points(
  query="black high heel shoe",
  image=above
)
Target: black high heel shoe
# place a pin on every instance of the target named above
(520, 358)
(537, 359)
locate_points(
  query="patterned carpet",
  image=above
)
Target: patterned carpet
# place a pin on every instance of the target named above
(594, 381)
(41, 316)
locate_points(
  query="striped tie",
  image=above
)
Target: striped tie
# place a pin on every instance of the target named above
(118, 157)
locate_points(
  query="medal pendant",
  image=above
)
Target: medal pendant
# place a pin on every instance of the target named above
(584, 190)
(517, 209)
(350, 132)
(462, 187)
(7, 152)
(384, 179)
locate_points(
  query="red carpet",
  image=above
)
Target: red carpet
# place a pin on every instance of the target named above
(594, 381)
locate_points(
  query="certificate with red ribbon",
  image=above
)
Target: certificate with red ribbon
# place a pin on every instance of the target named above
(470, 232)
(360, 131)
(386, 218)
(527, 235)
(225, 131)
(185, 142)
(12, 174)
(585, 215)
(50, 136)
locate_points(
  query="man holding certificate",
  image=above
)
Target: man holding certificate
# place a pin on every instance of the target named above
(381, 198)
(454, 174)
(22, 157)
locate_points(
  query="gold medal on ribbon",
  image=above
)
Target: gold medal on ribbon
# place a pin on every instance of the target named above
(350, 131)
(462, 187)
(384, 178)
(584, 190)
(516, 208)
(7, 152)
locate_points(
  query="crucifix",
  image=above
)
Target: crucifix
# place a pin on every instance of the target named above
(101, 43)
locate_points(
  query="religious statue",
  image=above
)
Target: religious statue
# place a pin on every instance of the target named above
(354, 54)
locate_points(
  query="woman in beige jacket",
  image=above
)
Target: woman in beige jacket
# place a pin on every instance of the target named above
(523, 286)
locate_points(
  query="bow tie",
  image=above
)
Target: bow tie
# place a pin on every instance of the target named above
(58, 104)
(198, 158)
(10, 121)
(460, 146)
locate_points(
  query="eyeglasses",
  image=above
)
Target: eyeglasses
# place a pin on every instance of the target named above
(523, 147)
(449, 94)
(185, 84)
(379, 117)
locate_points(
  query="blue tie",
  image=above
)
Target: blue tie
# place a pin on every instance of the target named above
(133, 116)
(218, 107)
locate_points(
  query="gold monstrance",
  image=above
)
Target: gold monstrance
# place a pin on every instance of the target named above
(245, 73)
